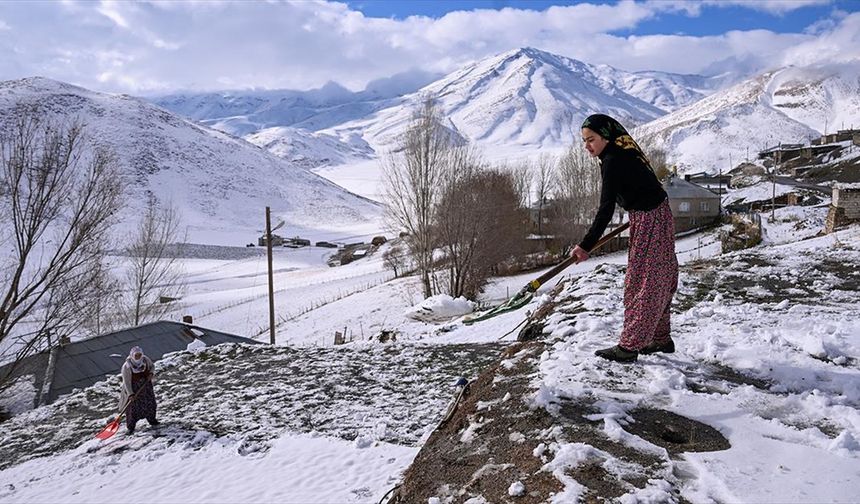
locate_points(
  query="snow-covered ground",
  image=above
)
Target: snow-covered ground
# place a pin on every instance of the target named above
(244, 423)
(785, 316)
(310, 422)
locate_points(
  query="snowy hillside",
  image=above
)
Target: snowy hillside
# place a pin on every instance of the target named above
(790, 105)
(220, 183)
(666, 91)
(309, 149)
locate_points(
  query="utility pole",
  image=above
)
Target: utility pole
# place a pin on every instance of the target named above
(773, 178)
(720, 191)
(271, 280)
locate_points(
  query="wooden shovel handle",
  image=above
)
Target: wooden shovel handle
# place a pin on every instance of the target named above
(536, 283)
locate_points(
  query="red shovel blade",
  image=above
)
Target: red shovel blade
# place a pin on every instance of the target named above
(109, 430)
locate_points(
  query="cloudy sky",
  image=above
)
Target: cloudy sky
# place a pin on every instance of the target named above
(158, 47)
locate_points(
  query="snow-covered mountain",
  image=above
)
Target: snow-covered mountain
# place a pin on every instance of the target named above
(666, 91)
(789, 105)
(219, 182)
(532, 97)
(524, 96)
(247, 112)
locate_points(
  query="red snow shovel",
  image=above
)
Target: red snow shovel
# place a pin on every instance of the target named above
(111, 428)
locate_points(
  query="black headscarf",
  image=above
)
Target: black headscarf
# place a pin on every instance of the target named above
(612, 130)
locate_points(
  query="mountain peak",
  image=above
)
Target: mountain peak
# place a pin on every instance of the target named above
(538, 55)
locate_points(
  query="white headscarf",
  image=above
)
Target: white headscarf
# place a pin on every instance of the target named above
(137, 365)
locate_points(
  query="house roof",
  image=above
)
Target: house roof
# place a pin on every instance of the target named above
(82, 363)
(678, 188)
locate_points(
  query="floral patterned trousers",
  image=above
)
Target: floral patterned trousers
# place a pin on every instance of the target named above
(652, 277)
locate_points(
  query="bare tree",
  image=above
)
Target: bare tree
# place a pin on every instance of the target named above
(59, 194)
(153, 276)
(412, 177)
(395, 259)
(480, 223)
(96, 310)
(656, 155)
(542, 170)
(522, 178)
(577, 191)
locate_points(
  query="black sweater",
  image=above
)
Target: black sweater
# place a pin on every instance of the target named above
(627, 180)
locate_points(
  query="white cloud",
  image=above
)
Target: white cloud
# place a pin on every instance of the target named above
(110, 10)
(144, 47)
(837, 45)
(776, 7)
(770, 6)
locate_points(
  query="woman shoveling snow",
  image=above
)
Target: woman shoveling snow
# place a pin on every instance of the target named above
(652, 268)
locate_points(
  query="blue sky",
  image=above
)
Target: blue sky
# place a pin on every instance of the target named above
(147, 47)
(717, 19)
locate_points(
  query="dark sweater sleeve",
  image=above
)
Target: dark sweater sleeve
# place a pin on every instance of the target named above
(608, 195)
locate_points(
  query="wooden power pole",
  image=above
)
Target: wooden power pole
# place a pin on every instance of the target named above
(271, 280)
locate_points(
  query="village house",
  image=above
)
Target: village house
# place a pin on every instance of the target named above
(844, 208)
(277, 240)
(692, 205)
(539, 216)
(296, 242)
(715, 183)
(840, 136)
(68, 365)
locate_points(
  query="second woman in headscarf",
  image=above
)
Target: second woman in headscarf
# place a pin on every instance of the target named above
(138, 374)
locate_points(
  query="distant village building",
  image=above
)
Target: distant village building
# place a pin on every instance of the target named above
(845, 207)
(692, 205)
(296, 242)
(787, 152)
(715, 183)
(539, 216)
(839, 136)
(842, 135)
(277, 240)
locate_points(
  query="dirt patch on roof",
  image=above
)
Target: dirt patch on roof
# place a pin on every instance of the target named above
(498, 437)
(675, 433)
(488, 443)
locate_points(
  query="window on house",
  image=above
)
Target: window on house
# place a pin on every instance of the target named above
(684, 206)
(704, 206)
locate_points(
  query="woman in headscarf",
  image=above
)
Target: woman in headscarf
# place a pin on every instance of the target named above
(138, 374)
(652, 268)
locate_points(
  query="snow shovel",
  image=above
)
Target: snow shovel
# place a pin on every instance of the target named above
(111, 428)
(525, 294)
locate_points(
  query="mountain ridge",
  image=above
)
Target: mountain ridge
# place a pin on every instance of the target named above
(218, 181)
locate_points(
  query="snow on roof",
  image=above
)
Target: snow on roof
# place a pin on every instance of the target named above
(843, 186)
(679, 188)
(82, 363)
